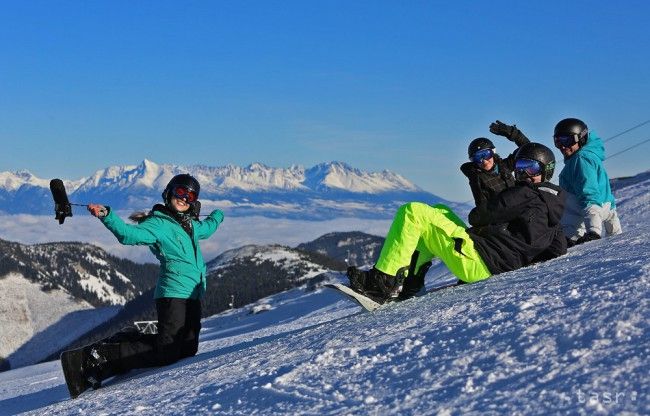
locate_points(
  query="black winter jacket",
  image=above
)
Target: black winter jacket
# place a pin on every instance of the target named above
(519, 226)
(487, 184)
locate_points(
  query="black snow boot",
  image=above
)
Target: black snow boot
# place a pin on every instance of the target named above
(357, 278)
(413, 284)
(389, 286)
(101, 362)
(375, 284)
(86, 367)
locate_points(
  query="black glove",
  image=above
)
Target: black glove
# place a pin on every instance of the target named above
(501, 129)
(511, 133)
(468, 169)
(590, 236)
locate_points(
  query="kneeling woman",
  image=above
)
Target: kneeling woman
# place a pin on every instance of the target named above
(172, 231)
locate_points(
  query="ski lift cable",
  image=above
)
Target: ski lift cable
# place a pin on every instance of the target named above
(629, 148)
(626, 131)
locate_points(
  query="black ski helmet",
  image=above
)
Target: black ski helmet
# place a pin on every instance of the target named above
(572, 127)
(185, 180)
(540, 153)
(477, 144)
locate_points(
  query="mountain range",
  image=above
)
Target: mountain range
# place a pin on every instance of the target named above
(320, 192)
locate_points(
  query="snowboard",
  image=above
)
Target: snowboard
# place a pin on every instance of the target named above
(364, 301)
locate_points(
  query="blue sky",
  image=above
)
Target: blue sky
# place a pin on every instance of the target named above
(396, 85)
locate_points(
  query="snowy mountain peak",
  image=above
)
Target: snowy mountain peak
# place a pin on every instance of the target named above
(258, 167)
(339, 175)
(151, 175)
(12, 181)
(145, 175)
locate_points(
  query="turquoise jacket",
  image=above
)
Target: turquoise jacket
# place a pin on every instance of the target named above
(584, 175)
(182, 269)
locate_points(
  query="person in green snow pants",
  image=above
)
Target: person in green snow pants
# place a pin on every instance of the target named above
(519, 226)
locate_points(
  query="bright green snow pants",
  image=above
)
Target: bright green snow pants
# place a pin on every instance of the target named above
(434, 232)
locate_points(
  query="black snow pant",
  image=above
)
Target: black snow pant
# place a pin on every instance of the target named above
(179, 324)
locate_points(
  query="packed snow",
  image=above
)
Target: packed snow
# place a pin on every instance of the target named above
(568, 336)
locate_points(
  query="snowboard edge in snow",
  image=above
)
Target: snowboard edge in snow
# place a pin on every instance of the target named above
(364, 301)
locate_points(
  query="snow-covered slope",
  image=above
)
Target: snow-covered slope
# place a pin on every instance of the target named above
(568, 336)
(48, 293)
(319, 192)
(35, 323)
(84, 271)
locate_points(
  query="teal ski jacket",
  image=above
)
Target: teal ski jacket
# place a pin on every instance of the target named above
(584, 174)
(182, 269)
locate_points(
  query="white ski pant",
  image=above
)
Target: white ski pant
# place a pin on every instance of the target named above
(577, 221)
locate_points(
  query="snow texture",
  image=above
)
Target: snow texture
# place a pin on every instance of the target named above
(568, 336)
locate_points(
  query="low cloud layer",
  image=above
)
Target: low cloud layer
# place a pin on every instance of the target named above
(234, 232)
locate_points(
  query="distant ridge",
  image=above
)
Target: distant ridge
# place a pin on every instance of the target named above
(319, 192)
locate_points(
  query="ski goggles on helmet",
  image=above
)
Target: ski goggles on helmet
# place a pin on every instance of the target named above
(565, 141)
(528, 167)
(481, 155)
(185, 194)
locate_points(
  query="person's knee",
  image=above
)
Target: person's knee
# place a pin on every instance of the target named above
(414, 209)
(406, 208)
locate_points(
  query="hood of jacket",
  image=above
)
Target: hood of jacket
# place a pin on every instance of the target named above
(594, 148)
(584, 175)
(554, 198)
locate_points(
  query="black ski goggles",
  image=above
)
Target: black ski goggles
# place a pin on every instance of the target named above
(480, 155)
(565, 141)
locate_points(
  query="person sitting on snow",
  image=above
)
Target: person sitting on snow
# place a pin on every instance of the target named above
(520, 226)
(590, 201)
(487, 172)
